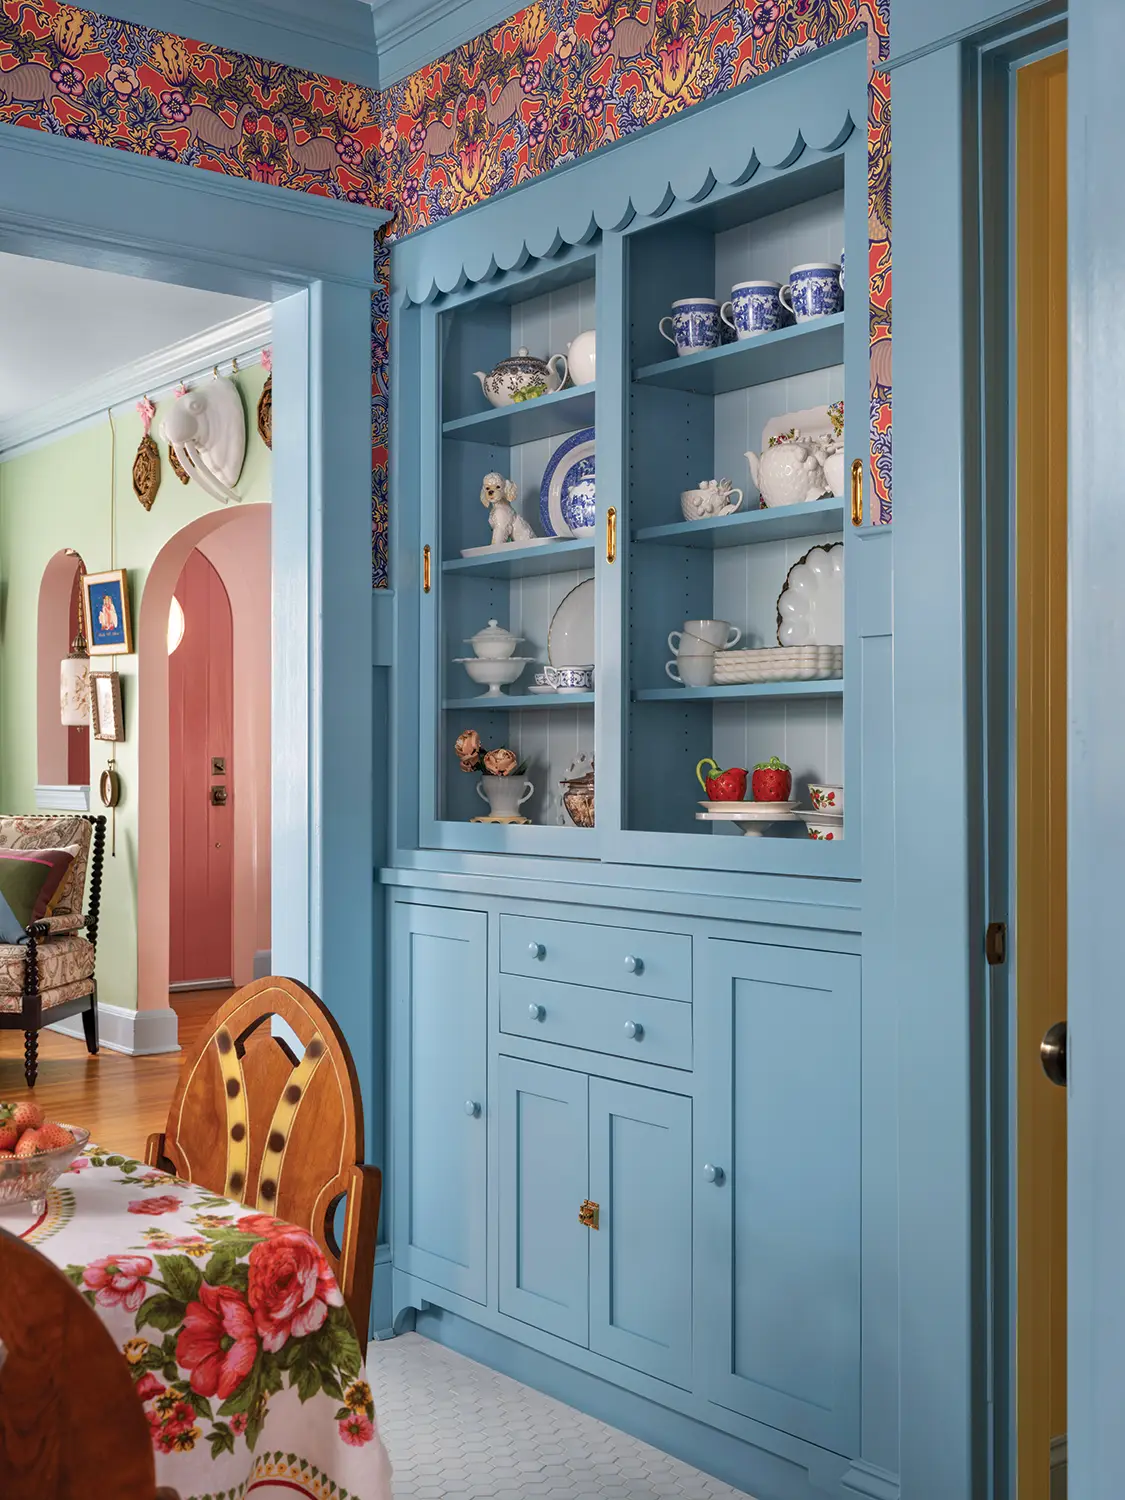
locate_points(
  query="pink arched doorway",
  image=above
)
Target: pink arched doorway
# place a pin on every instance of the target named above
(236, 544)
(63, 751)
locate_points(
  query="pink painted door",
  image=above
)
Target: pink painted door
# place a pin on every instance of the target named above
(201, 712)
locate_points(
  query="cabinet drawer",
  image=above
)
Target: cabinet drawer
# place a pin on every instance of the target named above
(639, 1027)
(609, 958)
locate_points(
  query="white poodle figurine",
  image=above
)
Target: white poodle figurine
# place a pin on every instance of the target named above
(498, 498)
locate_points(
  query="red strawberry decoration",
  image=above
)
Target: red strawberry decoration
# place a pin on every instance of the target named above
(772, 781)
(722, 786)
(26, 1115)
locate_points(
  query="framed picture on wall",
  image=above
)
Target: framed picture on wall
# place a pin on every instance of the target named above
(105, 706)
(109, 625)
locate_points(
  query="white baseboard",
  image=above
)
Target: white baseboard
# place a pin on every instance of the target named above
(1058, 1468)
(186, 986)
(137, 1033)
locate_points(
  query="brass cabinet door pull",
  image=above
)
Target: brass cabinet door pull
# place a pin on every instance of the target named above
(857, 492)
(426, 569)
(611, 534)
(589, 1214)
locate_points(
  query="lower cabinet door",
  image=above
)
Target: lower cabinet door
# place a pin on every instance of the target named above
(640, 1257)
(543, 1177)
(777, 1253)
(440, 1101)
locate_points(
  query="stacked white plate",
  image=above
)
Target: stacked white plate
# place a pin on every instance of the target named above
(751, 817)
(779, 664)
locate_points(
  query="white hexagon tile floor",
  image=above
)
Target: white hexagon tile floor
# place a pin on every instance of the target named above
(456, 1430)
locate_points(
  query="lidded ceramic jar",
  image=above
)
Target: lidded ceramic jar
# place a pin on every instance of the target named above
(522, 376)
(578, 795)
(494, 643)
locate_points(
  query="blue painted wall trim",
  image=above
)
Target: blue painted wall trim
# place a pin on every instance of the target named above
(323, 36)
(412, 33)
(919, 26)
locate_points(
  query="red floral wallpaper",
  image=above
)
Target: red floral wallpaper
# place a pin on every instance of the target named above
(560, 79)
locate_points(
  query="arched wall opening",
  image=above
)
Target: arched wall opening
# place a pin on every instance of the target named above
(237, 543)
(62, 751)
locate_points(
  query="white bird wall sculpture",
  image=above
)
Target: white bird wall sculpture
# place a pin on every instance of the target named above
(207, 430)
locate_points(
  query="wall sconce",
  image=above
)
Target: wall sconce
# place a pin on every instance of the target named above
(74, 676)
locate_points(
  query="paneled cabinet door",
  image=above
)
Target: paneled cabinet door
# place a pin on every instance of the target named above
(777, 1158)
(543, 1178)
(640, 1256)
(441, 1103)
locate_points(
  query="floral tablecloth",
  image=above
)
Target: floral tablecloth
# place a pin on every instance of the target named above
(232, 1324)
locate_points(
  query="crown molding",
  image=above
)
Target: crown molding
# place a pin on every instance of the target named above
(154, 375)
(319, 36)
(412, 33)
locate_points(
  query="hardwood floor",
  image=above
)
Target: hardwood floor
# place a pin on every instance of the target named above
(120, 1100)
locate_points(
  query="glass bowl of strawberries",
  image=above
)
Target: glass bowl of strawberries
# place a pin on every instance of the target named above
(33, 1152)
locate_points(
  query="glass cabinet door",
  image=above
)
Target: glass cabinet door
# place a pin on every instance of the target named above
(509, 626)
(721, 579)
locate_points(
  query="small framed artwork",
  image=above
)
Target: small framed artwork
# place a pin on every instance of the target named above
(105, 706)
(109, 626)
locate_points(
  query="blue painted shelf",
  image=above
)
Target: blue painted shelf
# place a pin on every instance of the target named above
(511, 701)
(525, 562)
(770, 356)
(747, 527)
(527, 421)
(825, 687)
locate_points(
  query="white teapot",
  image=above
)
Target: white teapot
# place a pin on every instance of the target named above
(522, 377)
(581, 356)
(788, 473)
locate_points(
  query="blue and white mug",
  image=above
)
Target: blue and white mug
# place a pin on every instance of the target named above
(695, 325)
(813, 291)
(755, 307)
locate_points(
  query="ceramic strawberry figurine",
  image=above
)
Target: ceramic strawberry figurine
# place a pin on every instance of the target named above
(772, 781)
(722, 786)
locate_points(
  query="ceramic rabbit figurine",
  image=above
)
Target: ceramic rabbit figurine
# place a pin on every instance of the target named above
(788, 472)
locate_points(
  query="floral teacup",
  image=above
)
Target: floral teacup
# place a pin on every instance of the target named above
(570, 679)
(827, 799)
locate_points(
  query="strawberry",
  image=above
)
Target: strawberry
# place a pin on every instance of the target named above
(26, 1115)
(52, 1136)
(772, 781)
(28, 1144)
(727, 786)
(9, 1133)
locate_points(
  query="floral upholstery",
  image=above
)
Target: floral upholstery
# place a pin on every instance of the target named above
(55, 832)
(63, 961)
(49, 998)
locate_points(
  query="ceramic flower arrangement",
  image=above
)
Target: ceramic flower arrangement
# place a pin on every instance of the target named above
(474, 757)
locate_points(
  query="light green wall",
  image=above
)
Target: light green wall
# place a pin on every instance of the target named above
(59, 496)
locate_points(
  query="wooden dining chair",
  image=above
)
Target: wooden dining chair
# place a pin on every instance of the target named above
(281, 1133)
(71, 1427)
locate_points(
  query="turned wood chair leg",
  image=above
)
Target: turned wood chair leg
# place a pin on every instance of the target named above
(90, 1027)
(31, 1057)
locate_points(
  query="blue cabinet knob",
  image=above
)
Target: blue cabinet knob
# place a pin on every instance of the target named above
(472, 1108)
(634, 1030)
(634, 965)
(537, 1012)
(713, 1174)
(537, 950)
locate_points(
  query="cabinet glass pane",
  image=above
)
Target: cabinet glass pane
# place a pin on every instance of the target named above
(693, 419)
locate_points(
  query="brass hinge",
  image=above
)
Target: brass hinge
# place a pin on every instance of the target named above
(588, 1215)
(996, 942)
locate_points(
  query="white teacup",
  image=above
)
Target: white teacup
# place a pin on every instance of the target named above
(704, 635)
(692, 670)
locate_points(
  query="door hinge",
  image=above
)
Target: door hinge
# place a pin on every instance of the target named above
(996, 942)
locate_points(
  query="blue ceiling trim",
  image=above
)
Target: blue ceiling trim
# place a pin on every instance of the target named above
(413, 33)
(336, 37)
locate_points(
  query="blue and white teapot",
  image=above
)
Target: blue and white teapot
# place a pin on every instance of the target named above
(522, 377)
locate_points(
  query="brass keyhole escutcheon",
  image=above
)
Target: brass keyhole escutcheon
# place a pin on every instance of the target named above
(589, 1215)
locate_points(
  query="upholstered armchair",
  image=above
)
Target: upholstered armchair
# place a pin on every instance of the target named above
(51, 976)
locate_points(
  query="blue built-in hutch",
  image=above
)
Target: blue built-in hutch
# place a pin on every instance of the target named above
(642, 1075)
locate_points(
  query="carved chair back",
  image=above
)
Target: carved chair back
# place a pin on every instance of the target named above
(278, 1130)
(71, 1427)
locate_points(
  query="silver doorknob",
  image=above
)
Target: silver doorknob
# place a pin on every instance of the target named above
(634, 1031)
(472, 1108)
(713, 1174)
(537, 1012)
(1052, 1054)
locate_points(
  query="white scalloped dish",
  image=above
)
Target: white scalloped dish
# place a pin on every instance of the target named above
(810, 608)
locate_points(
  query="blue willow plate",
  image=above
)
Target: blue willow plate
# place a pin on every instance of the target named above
(567, 494)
